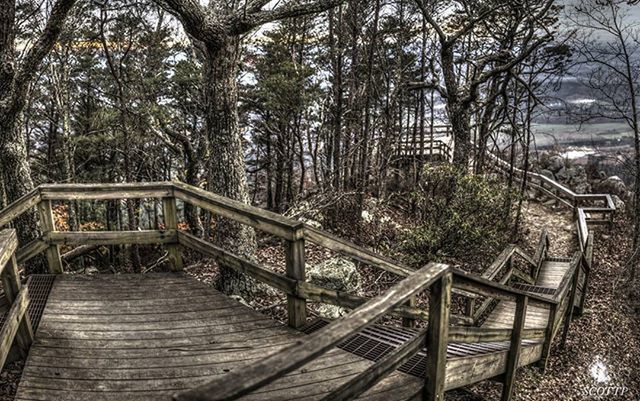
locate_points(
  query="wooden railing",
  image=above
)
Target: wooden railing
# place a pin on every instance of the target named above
(506, 260)
(437, 277)
(581, 204)
(424, 148)
(439, 280)
(17, 325)
(585, 214)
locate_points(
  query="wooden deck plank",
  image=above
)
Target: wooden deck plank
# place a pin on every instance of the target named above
(131, 337)
(143, 337)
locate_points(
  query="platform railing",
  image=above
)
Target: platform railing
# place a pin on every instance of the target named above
(16, 324)
(440, 281)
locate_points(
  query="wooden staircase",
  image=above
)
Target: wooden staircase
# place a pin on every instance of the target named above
(139, 337)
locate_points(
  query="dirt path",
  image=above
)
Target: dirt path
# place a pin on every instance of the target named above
(559, 224)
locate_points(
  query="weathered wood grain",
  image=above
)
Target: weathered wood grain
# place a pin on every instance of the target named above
(111, 237)
(514, 351)
(273, 367)
(170, 216)
(295, 270)
(19, 206)
(48, 226)
(134, 190)
(31, 250)
(437, 336)
(8, 246)
(13, 322)
(261, 219)
(111, 353)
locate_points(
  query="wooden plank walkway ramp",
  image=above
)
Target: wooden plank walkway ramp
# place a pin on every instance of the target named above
(164, 336)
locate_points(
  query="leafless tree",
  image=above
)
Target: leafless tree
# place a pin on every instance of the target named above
(608, 60)
(478, 42)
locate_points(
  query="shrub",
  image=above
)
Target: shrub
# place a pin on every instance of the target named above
(459, 215)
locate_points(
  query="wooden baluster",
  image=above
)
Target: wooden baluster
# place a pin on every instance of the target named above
(170, 214)
(437, 336)
(296, 306)
(548, 338)
(514, 350)
(408, 321)
(48, 225)
(469, 307)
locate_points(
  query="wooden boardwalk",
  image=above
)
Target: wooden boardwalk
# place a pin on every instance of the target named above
(146, 337)
(168, 336)
(501, 317)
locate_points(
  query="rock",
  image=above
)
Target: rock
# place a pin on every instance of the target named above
(563, 174)
(547, 173)
(582, 188)
(366, 216)
(240, 299)
(555, 163)
(619, 203)
(575, 177)
(312, 223)
(602, 175)
(91, 270)
(335, 274)
(613, 186)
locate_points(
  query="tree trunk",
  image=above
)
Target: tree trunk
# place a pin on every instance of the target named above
(16, 176)
(226, 163)
(459, 116)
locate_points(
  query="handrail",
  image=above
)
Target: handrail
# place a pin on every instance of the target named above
(17, 324)
(8, 246)
(123, 190)
(256, 217)
(473, 283)
(236, 384)
(505, 258)
(439, 279)
(574, 198)
(567, 277)
(331, 242)
(19, 206)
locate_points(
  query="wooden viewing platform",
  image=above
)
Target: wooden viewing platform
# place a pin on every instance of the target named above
(165, 335)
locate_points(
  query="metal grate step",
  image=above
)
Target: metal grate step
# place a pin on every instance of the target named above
(557, 259)
(39, 288)
(534, 289)
(374, 342)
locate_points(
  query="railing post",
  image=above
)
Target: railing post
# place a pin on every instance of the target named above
(48, 225)
(513, 356)
(572, 301)
(437, 338)
(548, 338)
(296, 306)
(588, 261)
(170, 214)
